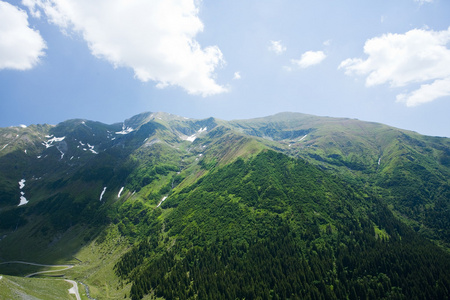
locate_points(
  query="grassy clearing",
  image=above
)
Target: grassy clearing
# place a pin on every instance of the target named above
(96, 268)
(12, 287)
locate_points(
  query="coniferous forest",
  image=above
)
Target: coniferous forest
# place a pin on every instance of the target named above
(262, 231)
(289, 206)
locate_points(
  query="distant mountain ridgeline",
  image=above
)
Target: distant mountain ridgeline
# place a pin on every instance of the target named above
(286, 206)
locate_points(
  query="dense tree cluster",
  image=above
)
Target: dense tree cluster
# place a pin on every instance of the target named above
(278, 228)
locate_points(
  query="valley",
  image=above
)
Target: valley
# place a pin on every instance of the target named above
(289, 206)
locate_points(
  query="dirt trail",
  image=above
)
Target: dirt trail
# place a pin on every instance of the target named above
(66, 267)
(72, 290)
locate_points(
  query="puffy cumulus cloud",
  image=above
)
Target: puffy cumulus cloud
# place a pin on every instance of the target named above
(426, 93)
(277, 47)
(156, 38)
(20, 46)
(309, 58)
(418, 56)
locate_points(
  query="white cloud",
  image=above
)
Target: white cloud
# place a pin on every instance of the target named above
(277, 47)
(237, 75)
(418, 56)
(426, 93)
(309, 58)
(423, 1)
(156, 38)
(20, 46)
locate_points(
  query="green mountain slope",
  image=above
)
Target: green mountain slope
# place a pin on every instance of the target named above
(274, 227)
(409, 171)
(287, 206)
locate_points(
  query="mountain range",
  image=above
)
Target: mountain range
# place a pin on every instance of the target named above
(289, 206)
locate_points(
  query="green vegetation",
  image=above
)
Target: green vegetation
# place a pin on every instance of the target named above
(284, 207)
(33, 288)
(254, 229)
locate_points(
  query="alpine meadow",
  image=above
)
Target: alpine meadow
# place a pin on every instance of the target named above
(289, 206)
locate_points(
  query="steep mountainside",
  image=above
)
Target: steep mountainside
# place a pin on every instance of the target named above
(287, 206)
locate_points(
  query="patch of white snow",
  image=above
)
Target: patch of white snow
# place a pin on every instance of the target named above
(191, 138)
(23, 200)
(379, 161)
(303, 138)
(162, 200)
(52, 140)
(25, 151)
(194, 136)
(91, 148)
(120, 192)
(23, 126)
(39, 156)
(22, 184)
(4, 147)
(103, 192)
(125, 130)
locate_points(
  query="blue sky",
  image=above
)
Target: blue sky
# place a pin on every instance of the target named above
(107, 60)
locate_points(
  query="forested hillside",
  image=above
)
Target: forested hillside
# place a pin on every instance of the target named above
(279, 228)
(289, 206)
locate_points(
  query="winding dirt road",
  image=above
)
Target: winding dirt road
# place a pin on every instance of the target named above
(72, 290)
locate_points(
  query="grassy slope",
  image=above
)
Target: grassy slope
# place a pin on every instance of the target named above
(34, 288)
(407, 170)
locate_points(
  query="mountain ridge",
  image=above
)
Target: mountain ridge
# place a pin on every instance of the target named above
(141, 181)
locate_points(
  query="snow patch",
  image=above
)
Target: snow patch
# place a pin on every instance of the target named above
(120, 192)
(195, 135)
(23, 200)
(379, 161)
(303, 138)
(25, 151)
(23, 126)
(125, 130)
(103, 192)
(91, 148)
(39, 156)
(4, 147)
(162, 200)
(52, 140)
(191, 138)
